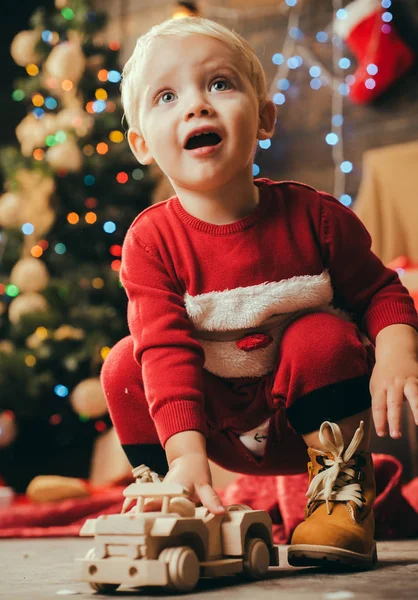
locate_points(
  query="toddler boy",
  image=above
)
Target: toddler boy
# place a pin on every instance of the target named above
(253, 305)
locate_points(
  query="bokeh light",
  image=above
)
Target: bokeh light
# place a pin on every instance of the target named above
(32, 69)
(109, 227)
(90, 218)
(116, 136)
(36, 251)
(102, 148)
(122, 177)
(38, 154)
(73, 218)
(102, 75)
(101, 94)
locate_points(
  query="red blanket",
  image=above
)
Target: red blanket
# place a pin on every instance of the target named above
(396, 507)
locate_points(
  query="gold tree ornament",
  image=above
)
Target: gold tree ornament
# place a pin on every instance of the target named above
(35, 190)
(66, 61)
(30, 275)
(88, 399)
(10, 204)
(31, 133)
(22, 48)
(66, 156)
(25, 304)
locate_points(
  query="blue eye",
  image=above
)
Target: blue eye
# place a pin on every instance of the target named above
(166, 98)
(221, 85)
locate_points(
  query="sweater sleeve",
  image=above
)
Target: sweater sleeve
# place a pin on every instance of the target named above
(363, 286)
(170, 358)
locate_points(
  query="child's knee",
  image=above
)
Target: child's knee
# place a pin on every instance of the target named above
(121, 379)
(124, 391)
(324, 339)
(120, 366)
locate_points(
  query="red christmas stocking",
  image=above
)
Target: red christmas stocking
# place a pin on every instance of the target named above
(382, 55)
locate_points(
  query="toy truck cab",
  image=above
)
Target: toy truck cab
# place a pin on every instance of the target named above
(176, 545)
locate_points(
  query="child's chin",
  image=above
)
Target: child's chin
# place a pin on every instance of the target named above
(204, 183)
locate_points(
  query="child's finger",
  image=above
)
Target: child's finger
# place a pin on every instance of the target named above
(379, 410)
(210, 499)
(411, 394)
(394, 408)
(152, 505)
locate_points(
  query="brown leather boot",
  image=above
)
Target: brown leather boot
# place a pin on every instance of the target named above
(339, 526)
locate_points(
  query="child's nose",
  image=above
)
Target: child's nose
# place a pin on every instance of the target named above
(198, 108)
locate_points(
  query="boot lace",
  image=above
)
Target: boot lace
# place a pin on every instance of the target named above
(335, 482)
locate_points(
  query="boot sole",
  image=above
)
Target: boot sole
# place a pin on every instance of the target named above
(305, 555)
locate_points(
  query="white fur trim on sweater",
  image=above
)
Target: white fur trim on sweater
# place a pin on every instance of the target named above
(245, 307)
(357, 11)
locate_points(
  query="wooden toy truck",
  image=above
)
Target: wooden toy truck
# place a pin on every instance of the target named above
(175, 546)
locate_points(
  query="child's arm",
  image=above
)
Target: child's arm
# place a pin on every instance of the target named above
(170, 357)
(381, 306)
(171, 361)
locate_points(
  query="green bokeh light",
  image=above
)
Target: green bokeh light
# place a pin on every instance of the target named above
(50, 140)
(18, 95)
(12, 290)
(60, 137)
(67, 13)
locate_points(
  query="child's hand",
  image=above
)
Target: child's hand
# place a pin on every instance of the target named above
(394, 379)
(192, 472)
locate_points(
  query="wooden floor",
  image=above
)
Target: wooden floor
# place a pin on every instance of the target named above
(43, 569)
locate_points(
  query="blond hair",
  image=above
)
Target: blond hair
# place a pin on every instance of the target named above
(183, 27)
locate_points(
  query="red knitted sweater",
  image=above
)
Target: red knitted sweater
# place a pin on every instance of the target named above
(196, 289)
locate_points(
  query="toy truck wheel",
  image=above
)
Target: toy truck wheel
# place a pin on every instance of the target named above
(256, 558)
(104, 588)
(183, 568)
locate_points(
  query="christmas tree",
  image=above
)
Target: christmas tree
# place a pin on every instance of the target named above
(72, 188)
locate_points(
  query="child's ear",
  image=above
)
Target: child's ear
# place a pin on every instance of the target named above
(267, 120)
(139, 146)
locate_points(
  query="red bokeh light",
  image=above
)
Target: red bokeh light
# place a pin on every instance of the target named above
(122, 177)
(115, 250)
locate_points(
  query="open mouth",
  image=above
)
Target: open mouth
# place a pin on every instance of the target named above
(202, 140)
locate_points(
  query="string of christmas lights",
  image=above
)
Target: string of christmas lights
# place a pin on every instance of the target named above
(294, 54)
(283, 60)
(341, 167)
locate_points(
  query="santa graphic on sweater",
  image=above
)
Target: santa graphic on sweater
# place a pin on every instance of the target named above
(240, 329)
